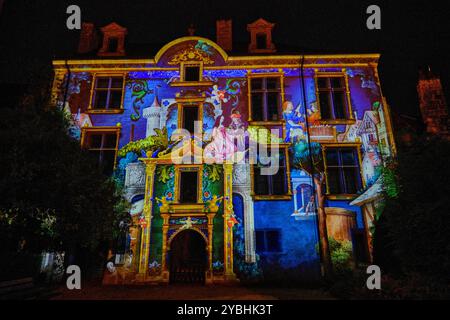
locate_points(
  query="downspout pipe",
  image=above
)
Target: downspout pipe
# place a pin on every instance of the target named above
(308, 141)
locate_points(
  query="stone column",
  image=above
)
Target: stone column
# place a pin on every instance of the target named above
(164, 271)
(148, 206)
(242, 186)
(228, 229)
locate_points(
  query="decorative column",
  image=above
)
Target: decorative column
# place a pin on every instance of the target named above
(228, 224)
(242, 186)
(209, 271)
(150, 167)
(164, 271)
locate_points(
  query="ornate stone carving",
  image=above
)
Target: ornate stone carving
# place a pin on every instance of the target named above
(240, 174)
(134, 179)
(190, 54)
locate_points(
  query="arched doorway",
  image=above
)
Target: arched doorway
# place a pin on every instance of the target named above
(188, 258)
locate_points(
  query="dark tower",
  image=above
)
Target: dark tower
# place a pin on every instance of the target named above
(432, 104)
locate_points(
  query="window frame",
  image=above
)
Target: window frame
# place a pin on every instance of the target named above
(185, 103)
(349, 110)
(96, 76)
(102, 130)
(280, 120)
(183, 83)
(343, 196)
(188, 167)
(286, 196)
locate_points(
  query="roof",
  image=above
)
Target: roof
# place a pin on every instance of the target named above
(150, 50)
(370, 195)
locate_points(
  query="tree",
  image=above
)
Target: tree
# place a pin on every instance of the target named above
(309, 158)
(54, 195)
(413, 233)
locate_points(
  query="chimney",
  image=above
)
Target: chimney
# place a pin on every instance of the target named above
(224, 34)
(88, 38)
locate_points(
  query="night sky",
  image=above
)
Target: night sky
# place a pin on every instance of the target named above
(414, 33)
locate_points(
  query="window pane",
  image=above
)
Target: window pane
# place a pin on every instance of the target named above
(261, 41)
(325, 105)
(260, 245)
(261, 183)
(188, 186)
(100, 99)
(349, 157)
(95, 141)
(192, 73)
(113, 44)
(322, 82)
(256, 83)
(257, 107)
(272, 83)
(337, 82)
(332, 157)
(273, 241)
(190, 115)
(117, 82)
(103, 82)
(339, 105)
(107, 161)
(109, 141)
(272, 106)
(115, 99)
(351, 180)
(279, 185)
(334, 181)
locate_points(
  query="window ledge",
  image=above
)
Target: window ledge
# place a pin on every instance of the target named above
(191, 84)
(337, 122)
(341, 196)
(105, 111)
(272, 197)
(266, 123)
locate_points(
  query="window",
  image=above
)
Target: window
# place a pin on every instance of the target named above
(188, 186)
(272, 185)
(190, 115)
(261, 41)
(332, 95)
(113, 44)
(191, 73)
(103, 145)
(343, 171)
(268, 240)
(265, 98)
(107, 93)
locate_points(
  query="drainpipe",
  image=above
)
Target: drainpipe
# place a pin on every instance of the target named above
(308, 140)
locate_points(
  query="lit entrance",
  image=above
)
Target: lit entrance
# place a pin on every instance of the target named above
(188, 258)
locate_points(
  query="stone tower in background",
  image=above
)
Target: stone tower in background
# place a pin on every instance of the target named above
(432, 104)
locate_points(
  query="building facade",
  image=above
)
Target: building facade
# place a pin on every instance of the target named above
(192, 130)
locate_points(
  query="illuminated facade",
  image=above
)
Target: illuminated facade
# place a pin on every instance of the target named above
(217, 216)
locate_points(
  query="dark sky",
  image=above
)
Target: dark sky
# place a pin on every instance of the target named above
(413, 34)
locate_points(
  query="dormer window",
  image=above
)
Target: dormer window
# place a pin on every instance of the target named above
(261, 37)
(113, 40)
